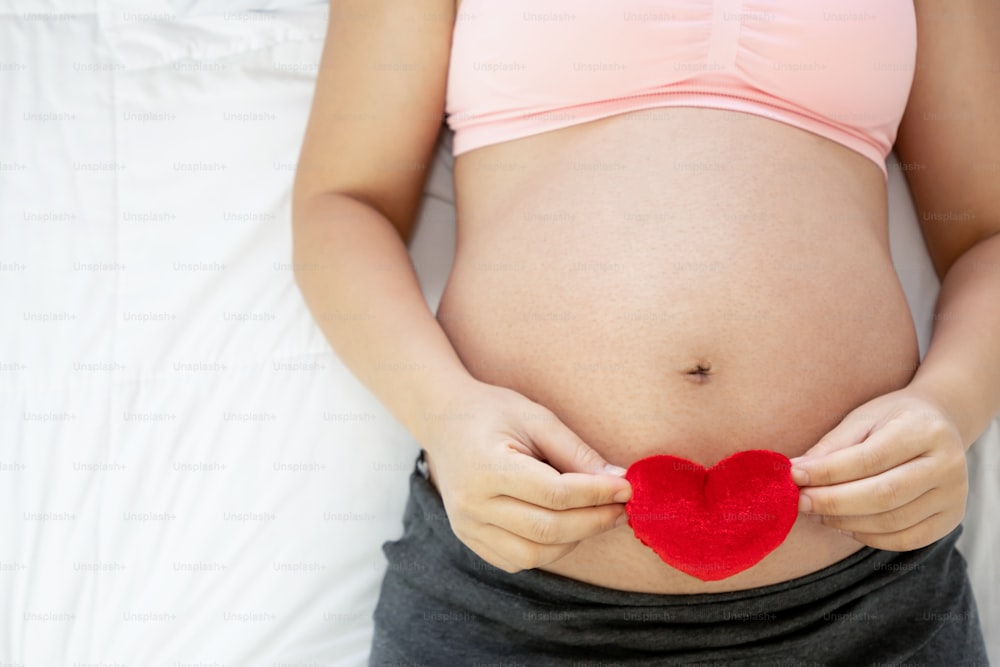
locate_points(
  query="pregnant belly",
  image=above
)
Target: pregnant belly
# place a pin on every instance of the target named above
(655, 310)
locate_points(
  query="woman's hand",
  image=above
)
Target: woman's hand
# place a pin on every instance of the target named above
(520, 488)
(892, 474)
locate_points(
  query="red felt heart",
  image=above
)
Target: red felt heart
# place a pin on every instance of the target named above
(712, 523)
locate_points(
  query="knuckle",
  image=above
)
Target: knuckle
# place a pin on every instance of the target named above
(871, 460)
(588, 457)
(821, 476)
(557, 497)
(544, 529)
(887, 522)
(939, 428)
(601, 496)
(886, 495)
(825, 504)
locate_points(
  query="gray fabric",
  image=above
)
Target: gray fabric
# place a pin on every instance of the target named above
(443, 605)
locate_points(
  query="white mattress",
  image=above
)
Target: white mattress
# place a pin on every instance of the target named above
(187, 474)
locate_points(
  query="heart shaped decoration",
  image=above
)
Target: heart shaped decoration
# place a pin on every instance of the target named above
(712, 523)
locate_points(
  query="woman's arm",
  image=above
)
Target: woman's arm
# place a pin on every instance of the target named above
(375, 117)
(508, 470)
(951, 133)
(893, 472)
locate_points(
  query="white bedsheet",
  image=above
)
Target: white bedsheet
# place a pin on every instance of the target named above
(187, 474)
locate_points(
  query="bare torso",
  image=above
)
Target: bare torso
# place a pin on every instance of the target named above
(680, 281)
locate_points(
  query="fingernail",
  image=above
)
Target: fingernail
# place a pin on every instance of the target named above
(621, 520)
(800, 476)
(623, 496)
(805, 504)
(614, 470)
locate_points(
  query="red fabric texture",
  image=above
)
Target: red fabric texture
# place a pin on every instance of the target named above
(713, 523)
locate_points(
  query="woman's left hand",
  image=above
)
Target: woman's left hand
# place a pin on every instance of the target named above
(892, 474)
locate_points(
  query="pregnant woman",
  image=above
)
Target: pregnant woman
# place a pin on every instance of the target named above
(672, 240)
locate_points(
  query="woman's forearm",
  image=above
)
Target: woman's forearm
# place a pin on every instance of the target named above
(355, 273)
(961, 369)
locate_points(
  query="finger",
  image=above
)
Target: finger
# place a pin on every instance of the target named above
(514, 553)
(852, 429)
(546, 526)
(544, 486)
(872, 495)
(488, 554)
(892, 521)
(926, 532)
(883, 450)
(565, 451)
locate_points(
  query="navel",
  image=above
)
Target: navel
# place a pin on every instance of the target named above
(700, 373)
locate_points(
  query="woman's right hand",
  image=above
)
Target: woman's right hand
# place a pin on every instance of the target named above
(520, 488)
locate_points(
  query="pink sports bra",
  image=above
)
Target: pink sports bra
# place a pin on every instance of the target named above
(841, 69)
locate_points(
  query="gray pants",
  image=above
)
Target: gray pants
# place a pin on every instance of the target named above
(443, 605)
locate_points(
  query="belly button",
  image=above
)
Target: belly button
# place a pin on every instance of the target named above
(700, 374)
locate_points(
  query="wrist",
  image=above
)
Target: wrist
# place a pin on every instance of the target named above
(945, 390)
(441, 401)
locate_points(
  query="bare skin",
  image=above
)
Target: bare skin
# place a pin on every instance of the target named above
(634, 277)
(680, 281)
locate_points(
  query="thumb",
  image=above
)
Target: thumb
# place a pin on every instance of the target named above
(851, 430)
(565, 451)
